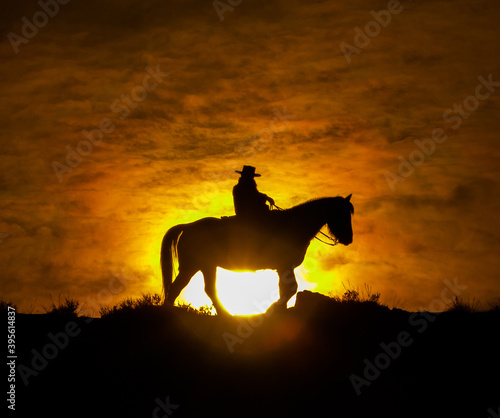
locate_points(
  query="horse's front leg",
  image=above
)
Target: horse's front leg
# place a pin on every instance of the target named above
(288, 287)
(210, 278)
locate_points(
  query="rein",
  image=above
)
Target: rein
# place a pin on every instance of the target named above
(331, 244)
(335, 240)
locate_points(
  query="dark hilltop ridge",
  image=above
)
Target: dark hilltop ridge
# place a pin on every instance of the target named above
(326, 357)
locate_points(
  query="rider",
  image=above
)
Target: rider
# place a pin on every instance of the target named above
(249, 203)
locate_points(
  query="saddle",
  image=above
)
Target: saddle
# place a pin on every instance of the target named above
(265, 220)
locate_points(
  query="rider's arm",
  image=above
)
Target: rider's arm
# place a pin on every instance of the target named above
(270, 200)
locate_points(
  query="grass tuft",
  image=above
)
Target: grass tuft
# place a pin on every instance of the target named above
(354, 295)
(462, 305)
(146, 302)
(69, 307)
(494, 305)
(202, 310)
(4, 305)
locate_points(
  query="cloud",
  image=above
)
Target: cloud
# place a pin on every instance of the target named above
(172, 158)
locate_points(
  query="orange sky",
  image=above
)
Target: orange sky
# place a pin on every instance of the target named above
(186, 99)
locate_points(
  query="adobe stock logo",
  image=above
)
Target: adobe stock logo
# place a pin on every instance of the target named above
(221, 7)
(453, 116)
(372, 29)
(50, 8)
(492, 413)
(391, 351)
(122, 106)
(167, 407)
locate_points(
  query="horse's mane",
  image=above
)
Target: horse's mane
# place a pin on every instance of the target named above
(319, 200)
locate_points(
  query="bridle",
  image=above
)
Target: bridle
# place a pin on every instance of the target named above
(332, 244)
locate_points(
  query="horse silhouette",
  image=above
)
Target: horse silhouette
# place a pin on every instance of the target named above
(278, 241)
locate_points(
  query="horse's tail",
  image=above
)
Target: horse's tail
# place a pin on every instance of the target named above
(167, 255)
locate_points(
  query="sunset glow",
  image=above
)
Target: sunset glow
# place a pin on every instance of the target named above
(116, 128)
(241, 293)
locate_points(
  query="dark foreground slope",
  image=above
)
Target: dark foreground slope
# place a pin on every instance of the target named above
(322, 358)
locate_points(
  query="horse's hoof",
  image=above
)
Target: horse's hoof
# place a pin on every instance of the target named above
(222, 312)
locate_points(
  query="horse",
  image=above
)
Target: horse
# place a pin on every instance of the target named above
(278, 241)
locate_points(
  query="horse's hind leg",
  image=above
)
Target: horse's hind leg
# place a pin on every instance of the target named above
(210, 277)
(288, 287)
(180, 282)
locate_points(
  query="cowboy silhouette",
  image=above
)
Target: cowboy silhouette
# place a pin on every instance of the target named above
(249, 203)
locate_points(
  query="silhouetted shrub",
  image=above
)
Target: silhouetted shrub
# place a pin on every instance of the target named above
(202, 310)
(69, 307)
(147, 301)
(495, 305)
(4, 305)
(354, 295)
(350, 296)
(461, 305)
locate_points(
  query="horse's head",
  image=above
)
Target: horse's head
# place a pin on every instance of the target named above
(340, 222)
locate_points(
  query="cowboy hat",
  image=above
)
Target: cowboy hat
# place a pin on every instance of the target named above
(248, 171)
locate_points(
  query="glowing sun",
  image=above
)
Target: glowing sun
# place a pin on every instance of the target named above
(240, 293)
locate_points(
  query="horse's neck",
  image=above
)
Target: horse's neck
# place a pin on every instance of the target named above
(311, 216)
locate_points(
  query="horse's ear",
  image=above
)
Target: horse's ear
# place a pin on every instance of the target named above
(348, 198)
